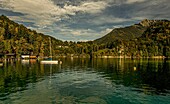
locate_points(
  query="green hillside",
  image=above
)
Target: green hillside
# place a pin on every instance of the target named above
(154, 41)
(149, 38)
(125, 33)
(16, 38)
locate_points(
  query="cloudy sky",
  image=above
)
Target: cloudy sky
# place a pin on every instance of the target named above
(81, 20)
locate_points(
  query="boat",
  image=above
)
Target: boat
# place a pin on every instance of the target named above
(28, 57)
(25, 56)
(49, 61)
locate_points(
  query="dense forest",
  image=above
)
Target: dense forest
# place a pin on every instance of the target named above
(153, 42)
(16, 38)
(149, 38)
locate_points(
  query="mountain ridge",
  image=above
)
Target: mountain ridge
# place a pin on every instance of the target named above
(122, 33)
(127, 33)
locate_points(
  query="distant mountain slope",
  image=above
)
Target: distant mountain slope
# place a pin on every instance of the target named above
(16, 38)
(126, 33)
(149, 38)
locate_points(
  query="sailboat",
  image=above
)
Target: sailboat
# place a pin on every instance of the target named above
(49, 61)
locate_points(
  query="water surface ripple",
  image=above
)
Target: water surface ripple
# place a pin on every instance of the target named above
(85, 81)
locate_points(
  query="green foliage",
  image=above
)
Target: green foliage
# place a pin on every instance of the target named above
(126, 33)
(15, 38)
(154, 41)
(146, 39)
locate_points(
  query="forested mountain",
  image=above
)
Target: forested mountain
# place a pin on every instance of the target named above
(149, 38)
(126, 33)
(16, 38)
(154, 41)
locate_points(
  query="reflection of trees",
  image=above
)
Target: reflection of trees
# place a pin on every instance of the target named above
(150, 75)
(157, 75)
(15, 77)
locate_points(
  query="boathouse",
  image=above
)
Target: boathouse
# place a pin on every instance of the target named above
(10, 56)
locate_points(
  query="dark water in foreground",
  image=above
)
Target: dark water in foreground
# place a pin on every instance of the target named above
(85, 81)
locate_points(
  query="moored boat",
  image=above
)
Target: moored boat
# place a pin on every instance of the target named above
(49, 61)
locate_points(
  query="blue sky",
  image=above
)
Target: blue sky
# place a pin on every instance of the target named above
(82, 20)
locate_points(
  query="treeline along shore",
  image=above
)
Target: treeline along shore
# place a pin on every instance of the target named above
(147, 39)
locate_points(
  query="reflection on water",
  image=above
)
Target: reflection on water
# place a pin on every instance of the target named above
(97, 81)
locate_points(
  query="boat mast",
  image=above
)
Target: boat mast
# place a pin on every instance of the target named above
(50, 48)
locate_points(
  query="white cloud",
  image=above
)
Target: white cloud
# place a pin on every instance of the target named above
(106, 31)
(84, 34)
(76, 32)
(45, 12)
(47, 17)
(72, 34)
(105, 19)
(134, 1)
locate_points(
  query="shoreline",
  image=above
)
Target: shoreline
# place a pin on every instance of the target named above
(100, 57)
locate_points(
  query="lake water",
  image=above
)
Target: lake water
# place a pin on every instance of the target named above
(85, 81)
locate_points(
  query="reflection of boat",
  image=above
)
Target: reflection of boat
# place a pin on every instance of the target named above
(49, 61)
(134, 68)
(33, 61)
(1, 64)
(25, 61)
